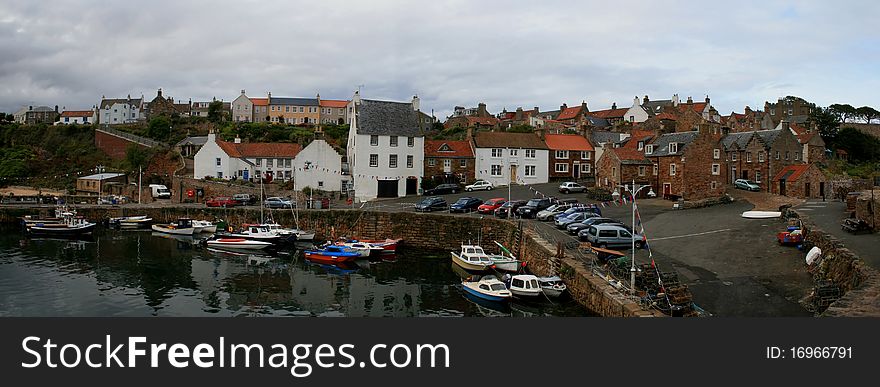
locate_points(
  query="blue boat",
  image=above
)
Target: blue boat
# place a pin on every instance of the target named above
(331, 254)
(487, 288)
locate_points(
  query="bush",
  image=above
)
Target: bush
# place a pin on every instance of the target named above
(599, 194)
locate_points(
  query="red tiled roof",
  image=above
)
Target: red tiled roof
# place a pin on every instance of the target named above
(665, 116)
(260, 101)
(629, 154)
(333, 103)
(77, 113)
(260, 149)
(794, 171)
(569, 142)
(482, 120)
(569, 113)
(636, 136)
(797, 129)
(696, 106)
(610, 113)
(450, 148)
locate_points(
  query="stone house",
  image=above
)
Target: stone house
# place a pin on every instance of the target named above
(474, 118)
(814, 145)
(165, 106)
(573, 116)
(242, 108)
(36, 115)
(613, 116)
(202, 108)
(760, 155)
(619, 166)
(788, 109)
(571, 157)
(688, 165)
(805, 181)
(504, 158)
(100, 183)
(449, 161)
(333, 111)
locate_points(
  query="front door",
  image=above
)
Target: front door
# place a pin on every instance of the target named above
(513, 174)
(822, 189)
(807, 190)
(576, 171)
(412, 184)
(733, 174)
(782, 187)
(745, 175)
(667, 190)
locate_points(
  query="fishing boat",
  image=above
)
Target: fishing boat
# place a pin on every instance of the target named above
(331, 254)
(487, 288)
(30, 220)
(552, 286)
(204, 226)
(523, 285)
(505, 262)
(183, 226)
(238, 243)
(70, 225)
(129, 222)
(472, 258)
(364, 249)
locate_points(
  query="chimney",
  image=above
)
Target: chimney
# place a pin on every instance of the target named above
(690, 101)
(563, 107)
(481, 110)
(645, 100)
(56, 108)
(540, 132)
(242, 91)
(160, 92)
(237, 140)
(357, 97)
(707, 100)
(584, 106)
(519, 114)
(785, 124)
(211, 136)
(415, 102)
(31, 107)
(613, 105)
(536, 111)
(748, 109)
(636, 101)
(675, 100)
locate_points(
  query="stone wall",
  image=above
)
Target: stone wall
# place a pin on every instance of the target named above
(113, 146)
(866, 208)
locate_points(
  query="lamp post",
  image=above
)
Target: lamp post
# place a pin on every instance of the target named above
(633, 190)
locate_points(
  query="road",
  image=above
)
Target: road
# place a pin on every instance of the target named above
(828, 215)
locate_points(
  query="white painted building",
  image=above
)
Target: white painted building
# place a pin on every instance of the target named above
(228, 160)
(121, 111)
(78, 117)
(319, 166)
(386, 148)
(503, 158)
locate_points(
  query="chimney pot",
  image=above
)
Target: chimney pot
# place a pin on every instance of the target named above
(613, 105)
(646, 100)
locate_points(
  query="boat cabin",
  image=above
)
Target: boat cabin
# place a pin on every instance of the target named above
(494, 286)
(524, 282)
(184, 223)
(475, 255)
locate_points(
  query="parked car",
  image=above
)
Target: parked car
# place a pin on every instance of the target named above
(479, 185)
(611, 235)
(442, 189)
(510, 206)
(580, 208)
(570, 186)
(533, 207)
(465, 204)
(746, 185)
(575, 228)
(222, 201)
(552, 211)
(431, 204)
(576, 217)
(245, 199)
(276, 202)
(489, 206)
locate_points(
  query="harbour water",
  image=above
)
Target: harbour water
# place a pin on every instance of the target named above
(139, 273)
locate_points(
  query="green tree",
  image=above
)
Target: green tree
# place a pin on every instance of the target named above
(136, 156)
(867, 113)
(843, 112)
(861, 147)
(827, 122)
(215, 111)
(159, 128)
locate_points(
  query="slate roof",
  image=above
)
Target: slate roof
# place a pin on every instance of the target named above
(597, 122)
(508, 140)
(610, 113)
(386, 118)
(293, 101)
(661, 144)
(446, 148)
(102, 176)
(638, 135)
(195, 140)
(570, 142)
(741, 139)
(112, 101)
(603, 137)
(42, 109)
(655, 107)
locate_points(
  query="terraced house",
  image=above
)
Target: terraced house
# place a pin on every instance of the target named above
(688, 165)
(449, 161)
(571, 156)
(116, 111)
(246, 109)
(619, 166)
(236, 160)
(294, 111)
(760, 155)
(511, 158)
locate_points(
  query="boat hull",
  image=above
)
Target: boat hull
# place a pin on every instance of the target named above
(467, 265)
(526, 292)
(509, 265)
(552, 292)
(78, 230)
(484, 296)
(331, 258)
(173, 231)
(238, 244)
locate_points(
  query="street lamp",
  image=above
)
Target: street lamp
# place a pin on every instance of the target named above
(633, 190)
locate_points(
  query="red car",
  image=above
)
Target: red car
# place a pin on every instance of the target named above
(489, 206)
(222, 202)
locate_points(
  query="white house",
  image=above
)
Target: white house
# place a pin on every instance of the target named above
(386, 148)
(319, 166)
(227, 160)
(80, 117)
(518, 158)
(121, 111)
(644, 109)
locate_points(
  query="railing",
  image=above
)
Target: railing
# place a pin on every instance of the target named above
(132, 137)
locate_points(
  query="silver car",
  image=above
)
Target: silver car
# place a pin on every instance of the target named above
(746, 185)
(570, 186)
(611, 235)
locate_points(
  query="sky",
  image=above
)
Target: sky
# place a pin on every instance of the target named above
(507, 54)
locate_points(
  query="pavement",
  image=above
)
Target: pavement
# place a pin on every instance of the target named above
(828, 215)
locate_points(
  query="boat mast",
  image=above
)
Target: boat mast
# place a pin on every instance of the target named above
(261, 198)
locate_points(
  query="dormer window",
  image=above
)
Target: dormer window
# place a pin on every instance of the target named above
(649, 149)
(641, 145)
(673, 147)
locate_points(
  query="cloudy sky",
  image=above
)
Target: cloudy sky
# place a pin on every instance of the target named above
(503, 53)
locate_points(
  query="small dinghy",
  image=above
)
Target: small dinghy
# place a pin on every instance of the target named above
(552, 286)
(472, 258)
(362, 248)
(204, 226)
(182, 227)
(487, 288)
(130, 222)
(238, 243)
(523, 285)
(331, 254)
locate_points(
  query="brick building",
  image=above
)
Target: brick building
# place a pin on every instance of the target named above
(805, 181)
(760, 155)
(36, 115)
(688, 165)
(475, 118)
(573, 116)
(814, 145)
(165, 106)
(571, 157)
(789, 109)
(100, 183)
(613, 115)
(619, 166)
(448, 161)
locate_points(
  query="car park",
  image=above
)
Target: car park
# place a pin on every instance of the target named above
(431, 204)
(575, 228)
(277, 202)
(465, 204)
(580, 208)
(489, 206)
(570, 186)
(746, 184)
(551, 212)
(443, 189)
(533, 207)
(510, 206)
(610, 235)
(561, 223)
(222, 201)
(479, 185)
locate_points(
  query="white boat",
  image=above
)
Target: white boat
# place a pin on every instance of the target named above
(238, 243)
(258, 232)
(363, 249)
(552, 286)
(487, 288)
(301, 235)
(523, 285)
(761, 214)
(472, 258)
(131, 221)
(505, 262)
(183, 226)
(204, 225)
(71, 225)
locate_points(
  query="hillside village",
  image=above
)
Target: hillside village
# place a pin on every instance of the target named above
(365, 149)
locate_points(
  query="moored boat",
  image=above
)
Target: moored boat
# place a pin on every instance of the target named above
(523, 285)
(364, 249)
(259, 232)
(204, 226)
(331, 254)
(238, 243)
(552, 286)
(487, 288)
(129, 222)
(183, 226)
(388, 245)
(472, 258)
(70, 225)
(505, 262)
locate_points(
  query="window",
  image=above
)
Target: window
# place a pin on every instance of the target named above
(777, 155)
(649, 149)
(268, 163)
(462, 163)
(632, 118)
(787, 155)
(374, 140)
(287, 109)
(716, 154)
(714, 185)
(393, 141)
(758, 176)
(561, 167)
(219, 175)
(410, 141)
(496, 152)
(716, 169)
(656, 170)
(280, 163)
(341, 111)
(409, 161)
(300, 109)
(585, 155)
(447, 163)
(733, 156)
(797, 155)
(748, 157)
(673, 147)
(432, 162)
(641, 145)
(530, 170)
(613, 171)
(760, 157)
(530, 153)
(374, 160)
(514, 152)
(585, 168)
(671, 169)
(561, 154)
(320, 184)
(259, 162)
(392, 161)
(287, 163)
(641, 170)
(218, 161)
(496, 170)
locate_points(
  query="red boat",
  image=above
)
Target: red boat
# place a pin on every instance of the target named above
(387, 245)
(331, 255)
(791, 237)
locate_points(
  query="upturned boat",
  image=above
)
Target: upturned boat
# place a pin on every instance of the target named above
(487, 288)
(472, 258)
(331, 254)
